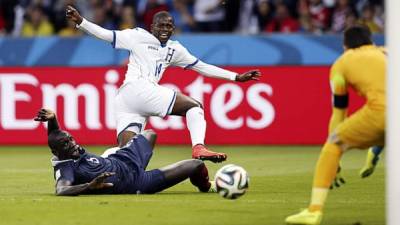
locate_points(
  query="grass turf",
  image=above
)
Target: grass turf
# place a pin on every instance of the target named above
(279, 186)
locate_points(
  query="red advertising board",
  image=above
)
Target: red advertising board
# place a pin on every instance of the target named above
(289, 105)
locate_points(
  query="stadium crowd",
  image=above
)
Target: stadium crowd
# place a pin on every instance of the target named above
(29, 18)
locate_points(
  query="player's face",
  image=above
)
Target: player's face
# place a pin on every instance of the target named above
(65, 147)
(163, 28)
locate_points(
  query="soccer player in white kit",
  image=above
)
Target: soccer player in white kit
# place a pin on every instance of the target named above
(140, 96)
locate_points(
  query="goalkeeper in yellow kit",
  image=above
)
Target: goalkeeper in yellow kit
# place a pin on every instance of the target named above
(363, 67)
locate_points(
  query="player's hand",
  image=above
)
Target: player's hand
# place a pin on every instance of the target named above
(73, 14)
(98, 182)
(44, 115)
(250, 75)
(339, 179)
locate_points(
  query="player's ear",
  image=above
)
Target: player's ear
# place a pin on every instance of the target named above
(152, 27)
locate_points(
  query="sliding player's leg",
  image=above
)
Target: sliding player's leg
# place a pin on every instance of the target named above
(371, 161)
(193, 110)
(160, 179)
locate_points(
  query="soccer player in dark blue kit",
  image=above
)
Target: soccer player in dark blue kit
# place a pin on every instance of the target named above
(79, 172)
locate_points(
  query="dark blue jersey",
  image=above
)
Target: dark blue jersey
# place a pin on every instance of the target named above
(128, 164)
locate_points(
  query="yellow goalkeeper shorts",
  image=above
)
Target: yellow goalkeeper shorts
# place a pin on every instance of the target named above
(363, 129)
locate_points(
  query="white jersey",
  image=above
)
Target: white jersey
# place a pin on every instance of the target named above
(148, 57)
(138, 99)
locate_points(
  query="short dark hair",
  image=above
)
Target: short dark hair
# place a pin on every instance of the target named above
(161, 14)
(357, 36)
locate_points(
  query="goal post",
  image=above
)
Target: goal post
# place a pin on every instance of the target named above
(392, 36)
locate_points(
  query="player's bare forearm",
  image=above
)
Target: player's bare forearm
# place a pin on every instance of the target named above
(247, 76)
(46, 115)
(52, 125)
(65, 187)
(73, 14)
(72, 190)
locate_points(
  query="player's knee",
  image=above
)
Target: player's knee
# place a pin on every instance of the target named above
(124, 137)
(196, 163)
(193, 104)
(151, 136)
(334, 139)
(198, 104)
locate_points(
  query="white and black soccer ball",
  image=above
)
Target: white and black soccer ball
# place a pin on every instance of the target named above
(231, 181)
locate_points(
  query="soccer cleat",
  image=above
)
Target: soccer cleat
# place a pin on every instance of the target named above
(305, 217)
(201, 152)
(200, 179)
(371, 162)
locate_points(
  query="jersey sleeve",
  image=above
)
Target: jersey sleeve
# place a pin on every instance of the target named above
(64, 171)
(184, 58)
(339, 95)
(337, 78)
(124, 39)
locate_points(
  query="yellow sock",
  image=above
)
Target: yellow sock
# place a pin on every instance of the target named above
(324, 174)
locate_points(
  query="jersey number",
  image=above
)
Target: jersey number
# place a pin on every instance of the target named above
(93, 160)
(158, 69)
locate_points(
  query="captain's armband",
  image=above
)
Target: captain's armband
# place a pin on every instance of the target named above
(341, 101)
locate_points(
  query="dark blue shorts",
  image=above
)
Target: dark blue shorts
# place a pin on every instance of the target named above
(150, 182)
(136, 155)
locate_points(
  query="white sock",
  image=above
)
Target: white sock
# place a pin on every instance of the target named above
(196, 124)
(318, 197)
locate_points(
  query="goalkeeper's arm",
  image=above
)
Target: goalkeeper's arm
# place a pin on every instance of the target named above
(340, 102)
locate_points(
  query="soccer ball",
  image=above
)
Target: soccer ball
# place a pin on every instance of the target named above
(231, 181)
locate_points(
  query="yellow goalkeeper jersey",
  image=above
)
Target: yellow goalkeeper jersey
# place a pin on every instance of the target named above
(364, 69)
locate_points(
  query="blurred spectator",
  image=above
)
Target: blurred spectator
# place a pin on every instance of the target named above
(58, 16)
(290, 4)
(36, 23)
(368, 18)
(148, 8)
(351, 20)
(340, 12)
(2, 23)
(182, 12)
(248, 19)
(319, 16)
(264, 13)
(128, 20)
(70, 30)
(209, 15)
(86, 8)
(7, 15)
(241, 16)
(282, 21)
(304, 16)
(100, 18)
(232, 16)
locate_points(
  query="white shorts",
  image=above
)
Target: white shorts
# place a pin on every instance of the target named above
(138, 100)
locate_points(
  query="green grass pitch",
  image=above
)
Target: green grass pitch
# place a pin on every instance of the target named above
(280, 181)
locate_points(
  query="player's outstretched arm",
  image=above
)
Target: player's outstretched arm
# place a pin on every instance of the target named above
(73, 14)
(88, 27)
(249, 75)
(65, 187)
(214, 71)
(46, 115)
